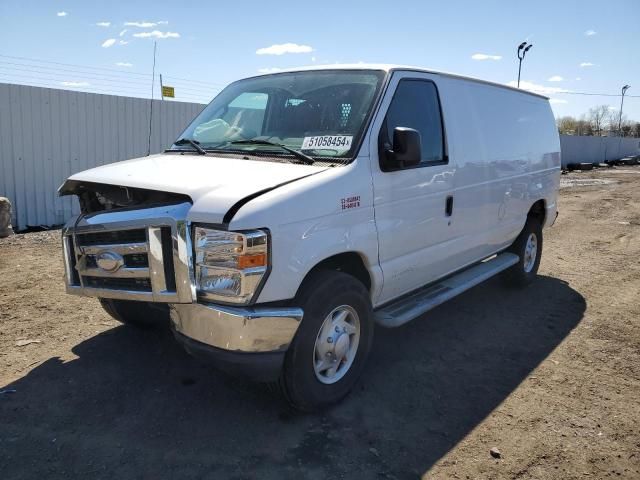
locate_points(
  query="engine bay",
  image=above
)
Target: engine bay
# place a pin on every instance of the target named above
(97, 197)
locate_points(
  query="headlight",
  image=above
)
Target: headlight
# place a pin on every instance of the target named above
(229, 266)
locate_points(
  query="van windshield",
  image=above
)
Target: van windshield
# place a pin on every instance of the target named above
(321, 113)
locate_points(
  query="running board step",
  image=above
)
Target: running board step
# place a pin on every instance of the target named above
(415, 304)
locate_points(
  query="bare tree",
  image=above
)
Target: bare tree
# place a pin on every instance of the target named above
(583, 127)
(626, 129)
(621, 126)
(597, 118)
(566, 125)
(598, 121)
(612, 122)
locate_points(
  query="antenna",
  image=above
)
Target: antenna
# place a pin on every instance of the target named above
(153, 77)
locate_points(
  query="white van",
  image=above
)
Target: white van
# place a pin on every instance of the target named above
(300, 208)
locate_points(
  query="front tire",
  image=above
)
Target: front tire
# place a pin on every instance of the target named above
(328, 353)
(139, 314)
(528, 246)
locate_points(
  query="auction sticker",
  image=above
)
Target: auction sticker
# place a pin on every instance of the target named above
(327, 142)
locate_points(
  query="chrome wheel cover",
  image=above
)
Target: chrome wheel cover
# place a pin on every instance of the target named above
(336, 344)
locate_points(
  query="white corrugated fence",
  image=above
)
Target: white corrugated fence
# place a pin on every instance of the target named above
(582, 149)
(48, 134)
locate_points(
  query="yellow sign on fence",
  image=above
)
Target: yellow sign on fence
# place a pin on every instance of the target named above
(168, 92)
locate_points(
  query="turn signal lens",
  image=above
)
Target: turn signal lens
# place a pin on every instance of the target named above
(250, 261)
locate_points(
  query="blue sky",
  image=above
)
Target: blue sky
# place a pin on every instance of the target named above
(579, 46)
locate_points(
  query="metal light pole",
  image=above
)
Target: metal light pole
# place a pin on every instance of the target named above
(523, 48)
(624, 90)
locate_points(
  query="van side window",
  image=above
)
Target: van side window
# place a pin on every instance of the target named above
(415, 104)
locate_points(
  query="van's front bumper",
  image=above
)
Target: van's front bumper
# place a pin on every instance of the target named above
(247, 341)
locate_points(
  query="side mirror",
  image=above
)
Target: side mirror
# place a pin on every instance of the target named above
(407, 148)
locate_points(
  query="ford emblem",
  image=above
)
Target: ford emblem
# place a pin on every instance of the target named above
(109, 261)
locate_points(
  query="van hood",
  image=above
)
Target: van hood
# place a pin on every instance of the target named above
(216, 183)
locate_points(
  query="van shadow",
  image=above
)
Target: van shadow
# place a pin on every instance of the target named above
(133, 404)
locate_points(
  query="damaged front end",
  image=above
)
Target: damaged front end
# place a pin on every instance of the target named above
(98, 197)
(135, 244)
(128, 243)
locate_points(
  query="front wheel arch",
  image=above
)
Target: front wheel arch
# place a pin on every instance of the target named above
(351, 263)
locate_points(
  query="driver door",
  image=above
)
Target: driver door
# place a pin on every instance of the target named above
(414, 206)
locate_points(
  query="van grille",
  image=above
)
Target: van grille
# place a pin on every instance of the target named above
(130, 248)
(111, 238)
(131, 284)
(135, 255)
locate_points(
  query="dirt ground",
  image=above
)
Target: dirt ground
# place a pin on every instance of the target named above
(549, 375)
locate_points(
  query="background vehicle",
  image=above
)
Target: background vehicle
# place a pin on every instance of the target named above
(301, 207)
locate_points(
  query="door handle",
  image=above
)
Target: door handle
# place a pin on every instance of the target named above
(448, 209)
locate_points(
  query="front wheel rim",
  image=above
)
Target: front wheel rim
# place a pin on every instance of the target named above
(336, 344)
(530, 252)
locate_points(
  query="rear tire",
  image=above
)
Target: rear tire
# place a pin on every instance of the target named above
(528, 246)
(328, 353)
(139, 314)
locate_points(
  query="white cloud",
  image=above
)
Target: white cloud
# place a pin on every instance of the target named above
(108, 43)
(313, 59)
(590, 33)
(124, 64)
(556, 101)
(555, 78)
(157, 34)
(75, 84)
(484, 56)
(536, 88)
(269, 70)
(103, 24)
(62, 14)
(587, 64)
(122, 42)
(140, 24)
(612, 108)
(282, 48)
(163, 22)
(122, 32)
(578, 78)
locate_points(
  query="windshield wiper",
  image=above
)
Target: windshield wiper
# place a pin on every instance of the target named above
(193, 143)
(296, 153)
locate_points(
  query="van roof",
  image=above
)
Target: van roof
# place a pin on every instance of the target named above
(391, 67)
